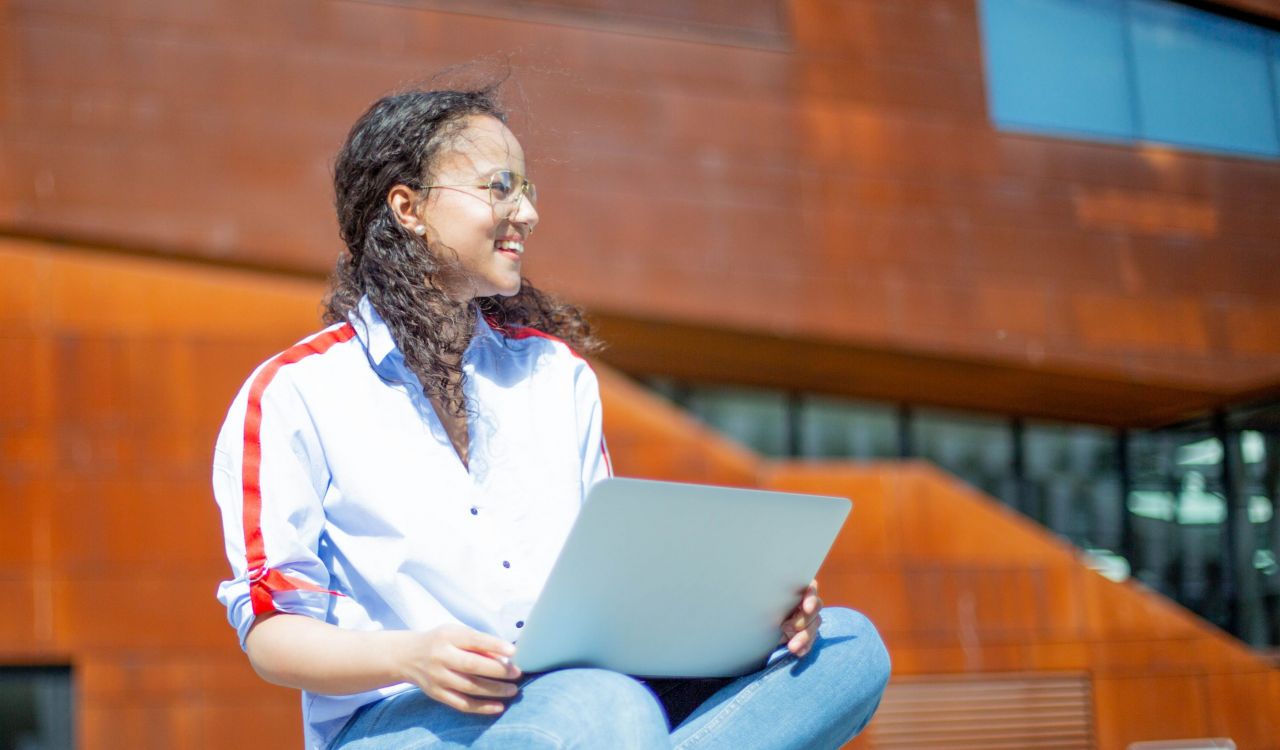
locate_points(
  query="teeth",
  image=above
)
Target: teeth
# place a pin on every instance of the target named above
(514, 246)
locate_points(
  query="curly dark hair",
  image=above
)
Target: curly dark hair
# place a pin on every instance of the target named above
(396, 142)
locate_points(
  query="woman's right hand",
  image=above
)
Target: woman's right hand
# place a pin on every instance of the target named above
(460, 667)
(455, 665)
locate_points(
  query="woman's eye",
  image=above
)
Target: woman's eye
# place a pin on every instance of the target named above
(502, 185)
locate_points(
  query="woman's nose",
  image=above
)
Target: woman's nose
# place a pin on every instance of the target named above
(525, 212)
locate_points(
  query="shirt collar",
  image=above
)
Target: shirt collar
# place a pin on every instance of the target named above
(375, 334)
(373, 331)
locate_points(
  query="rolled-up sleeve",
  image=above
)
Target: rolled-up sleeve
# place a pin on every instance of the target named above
(269, 479)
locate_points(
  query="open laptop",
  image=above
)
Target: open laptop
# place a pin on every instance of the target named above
(660, 579)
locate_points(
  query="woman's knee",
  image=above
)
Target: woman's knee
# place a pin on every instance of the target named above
(850, 633)
(602, 686)
(609, 709)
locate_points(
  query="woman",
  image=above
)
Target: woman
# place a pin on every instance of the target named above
(395, 488)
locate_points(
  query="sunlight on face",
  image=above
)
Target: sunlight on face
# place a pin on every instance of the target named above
(461, 220)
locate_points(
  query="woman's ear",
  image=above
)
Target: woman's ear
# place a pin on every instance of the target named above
(403, 201)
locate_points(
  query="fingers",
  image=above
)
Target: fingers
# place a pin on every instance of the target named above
(802, 639)
(809, 610)
(809, 600)
(464, 669)
(479, 653)
(459, 682)
(476, 687)
(800, 617)
(484, 665)
(801, 623)
(464, 703)
(800, 629)
(473, 640)
(801, 643)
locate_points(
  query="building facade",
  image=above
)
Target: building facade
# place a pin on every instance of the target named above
(1032, 242)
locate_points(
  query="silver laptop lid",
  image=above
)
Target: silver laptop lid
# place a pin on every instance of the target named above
(660, 579)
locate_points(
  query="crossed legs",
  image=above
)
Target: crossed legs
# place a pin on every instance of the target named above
(819, 701)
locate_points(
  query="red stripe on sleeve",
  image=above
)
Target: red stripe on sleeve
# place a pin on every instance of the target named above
(262, 580)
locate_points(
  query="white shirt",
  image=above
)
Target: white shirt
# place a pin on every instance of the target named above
(343, 499)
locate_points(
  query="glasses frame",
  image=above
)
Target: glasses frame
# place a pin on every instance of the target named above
(526, 190)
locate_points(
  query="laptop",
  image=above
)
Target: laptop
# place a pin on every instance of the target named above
(663, 579)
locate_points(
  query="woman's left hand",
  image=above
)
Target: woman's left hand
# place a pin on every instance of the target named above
(800, 628)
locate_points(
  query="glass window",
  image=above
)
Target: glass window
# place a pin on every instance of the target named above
(977, 449)
(755, 418)
(1133, 69)
(831, 427)
(1178, 510)
(1260, 480)
(35, 708)
(670, 389)
(1175, 511)
(1202, 80)
(1058, 65)
(1073, 480)
(1274, 43)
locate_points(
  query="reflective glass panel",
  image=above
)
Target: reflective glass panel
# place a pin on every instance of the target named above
(1273, 41)
(1177, 509)
(1073, 480)
(832, 427)
(1202, 80)
(754, 417)
(975, 448)
(1058, 65)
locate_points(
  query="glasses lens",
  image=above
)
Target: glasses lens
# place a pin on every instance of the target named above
(505, 188)
(502, 186)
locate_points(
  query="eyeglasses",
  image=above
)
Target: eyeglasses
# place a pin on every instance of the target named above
(505, 188)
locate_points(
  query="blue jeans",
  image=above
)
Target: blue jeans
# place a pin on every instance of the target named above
(820, 701)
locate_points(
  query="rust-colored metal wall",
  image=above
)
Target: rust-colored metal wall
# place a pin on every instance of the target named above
(961, 585)
(114, 375)
(825, 172)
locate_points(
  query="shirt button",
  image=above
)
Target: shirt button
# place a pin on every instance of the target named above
(475, 511)
(519, 623)
(506, 563)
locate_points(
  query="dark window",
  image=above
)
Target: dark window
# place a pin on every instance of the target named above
(35, 708)
(974, 447)
(844, 428)
(1073, 483)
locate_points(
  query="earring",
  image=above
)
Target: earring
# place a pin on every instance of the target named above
(420, 230)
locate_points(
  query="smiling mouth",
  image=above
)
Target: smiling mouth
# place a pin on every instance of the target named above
(510, 246)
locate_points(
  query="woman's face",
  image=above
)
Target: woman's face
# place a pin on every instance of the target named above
(488, 240)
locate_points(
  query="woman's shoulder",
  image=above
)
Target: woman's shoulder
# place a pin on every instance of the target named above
(288, 382)
(539, 350)
(314, 356)
(533, 339)
(544, 359)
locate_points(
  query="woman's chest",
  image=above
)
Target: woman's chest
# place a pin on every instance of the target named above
(394, 471)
